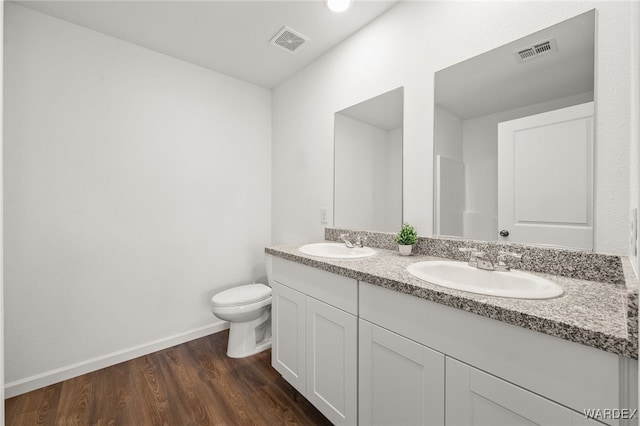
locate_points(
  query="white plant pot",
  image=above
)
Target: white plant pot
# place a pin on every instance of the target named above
(405, 250)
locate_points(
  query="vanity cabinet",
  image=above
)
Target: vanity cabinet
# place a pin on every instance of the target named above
(495, 373)
(315, 335)
(401, 382)
(364, 354)
(477, 398)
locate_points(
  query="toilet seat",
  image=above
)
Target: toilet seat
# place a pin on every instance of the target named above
(247, 308)
(242, 295)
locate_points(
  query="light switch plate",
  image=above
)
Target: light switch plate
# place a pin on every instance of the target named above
(324, 213)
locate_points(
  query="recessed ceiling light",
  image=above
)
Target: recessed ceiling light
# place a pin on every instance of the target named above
(338, 5)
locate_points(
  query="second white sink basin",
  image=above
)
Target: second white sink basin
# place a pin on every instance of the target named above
(336, 251)
(461, 276)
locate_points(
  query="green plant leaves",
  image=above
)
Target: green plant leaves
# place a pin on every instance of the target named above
(407, 235)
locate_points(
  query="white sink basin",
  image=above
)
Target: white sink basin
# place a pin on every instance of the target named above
(336, 251)
(460, 276)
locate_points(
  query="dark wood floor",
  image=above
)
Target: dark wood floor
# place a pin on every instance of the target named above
(189, 384)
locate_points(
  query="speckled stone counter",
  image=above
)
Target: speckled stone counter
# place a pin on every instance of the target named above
(603, 315)
(550, 260)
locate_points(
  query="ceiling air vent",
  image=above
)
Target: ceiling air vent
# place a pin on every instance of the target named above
(531, 52)
(289, 40)
(526, 54)
(543, 47)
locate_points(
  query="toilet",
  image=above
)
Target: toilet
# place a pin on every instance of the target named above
(248, 310)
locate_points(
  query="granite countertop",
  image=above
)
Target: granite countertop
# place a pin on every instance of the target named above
(598, 314)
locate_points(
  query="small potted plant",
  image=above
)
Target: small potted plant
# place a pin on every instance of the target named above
(406, 238)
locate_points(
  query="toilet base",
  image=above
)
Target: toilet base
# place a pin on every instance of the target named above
(249, 337)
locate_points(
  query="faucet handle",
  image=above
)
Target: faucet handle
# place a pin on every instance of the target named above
(504, 255)
(360, 240)
(473, 254)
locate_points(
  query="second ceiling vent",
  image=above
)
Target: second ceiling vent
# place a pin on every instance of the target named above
(288, 39)
(531, 52)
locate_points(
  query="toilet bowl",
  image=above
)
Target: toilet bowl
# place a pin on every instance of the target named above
(248, 310)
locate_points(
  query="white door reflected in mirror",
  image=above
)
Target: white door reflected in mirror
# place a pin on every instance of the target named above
(545, 178)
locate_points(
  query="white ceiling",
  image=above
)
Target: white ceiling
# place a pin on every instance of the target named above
(231, 37)
(495, 81)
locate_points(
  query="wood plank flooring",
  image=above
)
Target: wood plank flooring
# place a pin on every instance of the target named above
(190, 384)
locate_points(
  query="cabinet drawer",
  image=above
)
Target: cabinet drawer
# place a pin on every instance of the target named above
(336, 290)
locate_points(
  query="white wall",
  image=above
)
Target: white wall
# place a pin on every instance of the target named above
(449, 196)
(450, 171)
(354, 171)
(368, 162)
(634, 156)
(392, 202)
(136, 186)
(405, 47)
(1, 223)
(449, 134)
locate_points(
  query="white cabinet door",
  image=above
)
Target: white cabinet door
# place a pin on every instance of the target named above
(332, 358)
(401, 381)
(545, 178)
(288, 335)
(477, 398)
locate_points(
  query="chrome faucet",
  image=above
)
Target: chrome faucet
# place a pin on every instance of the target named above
(480, 260)
(360, 240)
(347, 243)
(483, 261)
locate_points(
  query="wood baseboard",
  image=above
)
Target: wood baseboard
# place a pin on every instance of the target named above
(47, 378)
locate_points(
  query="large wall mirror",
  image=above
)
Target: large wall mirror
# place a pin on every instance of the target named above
(368, 164)
(513, 140)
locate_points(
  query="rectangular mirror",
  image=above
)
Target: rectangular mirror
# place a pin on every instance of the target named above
(368, 164)
(513, 140)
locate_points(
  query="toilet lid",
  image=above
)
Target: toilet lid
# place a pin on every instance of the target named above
(241, 295)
